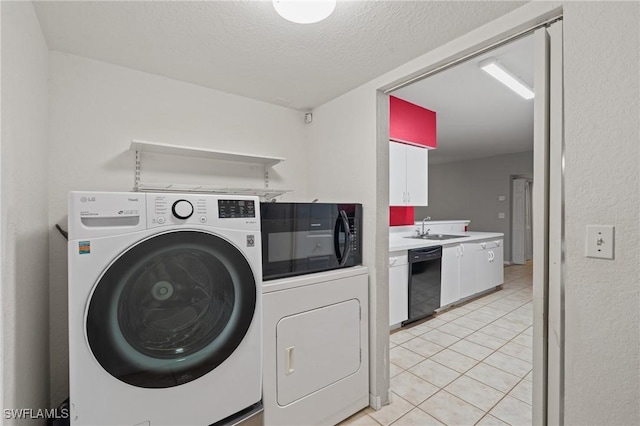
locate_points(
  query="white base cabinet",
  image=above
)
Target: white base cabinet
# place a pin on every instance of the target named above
(398, 287)
(467, 269)
(489, 265)
(450, 278)
(480, 267)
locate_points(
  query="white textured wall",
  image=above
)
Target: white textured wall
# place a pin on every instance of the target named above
(342, 168)
(349, 160)
(602, 186)
(25, 290)
(470, 190)
(97, 108)
(95, 111)
(602, 110)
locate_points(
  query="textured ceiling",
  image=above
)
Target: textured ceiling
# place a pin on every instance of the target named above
(476, 115)
(244, 47)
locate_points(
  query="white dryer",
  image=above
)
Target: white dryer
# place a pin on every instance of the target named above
(164, 308)
(316, 347)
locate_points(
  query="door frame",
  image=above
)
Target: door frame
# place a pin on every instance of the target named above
(548, 403)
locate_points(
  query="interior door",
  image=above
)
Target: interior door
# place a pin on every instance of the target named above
(548, 220)
(553, 188)
(518, 223)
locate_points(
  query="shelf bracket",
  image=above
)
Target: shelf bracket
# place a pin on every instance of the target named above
(136, 173)
(266, 178)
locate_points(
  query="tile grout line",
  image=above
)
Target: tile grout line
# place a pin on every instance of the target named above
(470, 310)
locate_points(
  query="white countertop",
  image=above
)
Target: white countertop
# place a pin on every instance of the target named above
(441, 222)
(398, 242)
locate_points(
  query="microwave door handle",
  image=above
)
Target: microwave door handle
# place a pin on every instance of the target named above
(336, 239)
(347, 238)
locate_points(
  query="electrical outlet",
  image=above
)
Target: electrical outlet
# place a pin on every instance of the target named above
(501, 198)
(600, 241)
(501, 215)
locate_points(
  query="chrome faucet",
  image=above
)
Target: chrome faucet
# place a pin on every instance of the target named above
(423, 221)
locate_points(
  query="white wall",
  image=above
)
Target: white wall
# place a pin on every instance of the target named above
(470, 190)
(24, 291)
(348, 124)
(343, 168)
(97, 108)
(602, 186)
(602, 110)
(95, 111)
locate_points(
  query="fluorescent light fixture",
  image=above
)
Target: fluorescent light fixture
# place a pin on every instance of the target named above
(504, 76)
(304, 11)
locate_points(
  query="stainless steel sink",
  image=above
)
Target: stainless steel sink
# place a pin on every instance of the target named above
(437, 237)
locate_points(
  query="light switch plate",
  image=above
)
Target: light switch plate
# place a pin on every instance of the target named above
(501, 198)
(600, 241)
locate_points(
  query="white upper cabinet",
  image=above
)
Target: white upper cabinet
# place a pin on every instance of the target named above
(397, 174)
(408, 167)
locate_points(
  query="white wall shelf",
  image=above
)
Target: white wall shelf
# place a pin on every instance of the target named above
(140, 146)
(163, 148)
(265, 193)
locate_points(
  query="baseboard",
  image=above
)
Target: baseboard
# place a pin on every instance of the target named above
(375, 402)
(507, 263)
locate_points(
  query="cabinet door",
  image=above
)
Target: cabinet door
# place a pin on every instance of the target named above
(483, 269)
(450, 279)
(397, 174)
(417, 166)
(398, 294)
(468, 274)
(496, 276)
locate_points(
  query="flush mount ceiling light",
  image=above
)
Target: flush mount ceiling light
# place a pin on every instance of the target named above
(304, 11)
(504, 76)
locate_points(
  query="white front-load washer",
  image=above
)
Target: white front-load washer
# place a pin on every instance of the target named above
(164, 308)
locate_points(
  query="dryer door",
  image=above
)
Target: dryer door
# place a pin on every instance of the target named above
(171, 309)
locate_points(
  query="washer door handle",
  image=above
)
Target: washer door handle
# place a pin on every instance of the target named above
(289, 361)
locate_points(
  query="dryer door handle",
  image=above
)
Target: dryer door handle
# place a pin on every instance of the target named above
(289, 361)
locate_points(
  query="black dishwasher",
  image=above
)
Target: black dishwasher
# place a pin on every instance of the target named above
(425, 265)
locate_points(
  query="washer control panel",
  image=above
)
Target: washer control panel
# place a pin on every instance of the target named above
(203, 209)
(233, 209)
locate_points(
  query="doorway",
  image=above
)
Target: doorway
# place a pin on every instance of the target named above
(477, 355)
(547, 377)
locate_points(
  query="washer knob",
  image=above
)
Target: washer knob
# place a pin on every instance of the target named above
(182, 209)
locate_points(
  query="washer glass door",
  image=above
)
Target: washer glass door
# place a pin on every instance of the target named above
(171, 309)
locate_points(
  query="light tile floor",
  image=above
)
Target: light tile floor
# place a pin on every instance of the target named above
(470, 365)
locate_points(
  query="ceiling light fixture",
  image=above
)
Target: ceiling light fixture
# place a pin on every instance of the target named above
(504, 76)
(304, 11)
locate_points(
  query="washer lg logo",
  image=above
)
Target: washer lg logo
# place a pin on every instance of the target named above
(85, 199)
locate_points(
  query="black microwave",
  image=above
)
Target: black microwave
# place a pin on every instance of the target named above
(302, 238)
